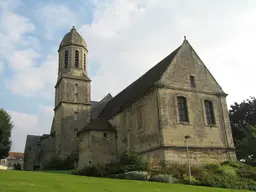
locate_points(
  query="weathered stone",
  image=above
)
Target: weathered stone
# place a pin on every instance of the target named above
(148, 123)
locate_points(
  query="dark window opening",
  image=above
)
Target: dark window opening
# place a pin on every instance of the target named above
(209, 112)
(75, 129)
(76, 58)
(105, 134)
(182, 108)
(192, 81)
(66, 59)
(90, 162)
(84, 61)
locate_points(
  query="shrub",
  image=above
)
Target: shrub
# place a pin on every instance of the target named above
(130, 161)
(17, 166)
(248, 172)
(56, 163)
(235, 164)
(97, 170)
(163, 178)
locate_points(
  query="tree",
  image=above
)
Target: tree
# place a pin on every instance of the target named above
(243, 123)
(5, 133)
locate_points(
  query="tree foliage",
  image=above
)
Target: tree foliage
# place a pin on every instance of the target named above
(243, 124)
(5, 133)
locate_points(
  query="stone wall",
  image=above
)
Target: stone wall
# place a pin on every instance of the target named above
(96, 147)
(198, 156)
(201, 134)
(137, 125)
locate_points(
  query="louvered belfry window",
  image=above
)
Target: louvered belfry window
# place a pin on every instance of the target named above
(76, 58)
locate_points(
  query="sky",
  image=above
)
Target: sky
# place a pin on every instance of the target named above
(125, 38)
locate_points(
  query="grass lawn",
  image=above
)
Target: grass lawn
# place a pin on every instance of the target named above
(22, 181)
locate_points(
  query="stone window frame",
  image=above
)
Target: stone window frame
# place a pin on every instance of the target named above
(66, 58)
(76, 58)
(178, 111)
(213, 116)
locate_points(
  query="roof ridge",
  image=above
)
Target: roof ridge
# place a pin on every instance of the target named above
(139, 86)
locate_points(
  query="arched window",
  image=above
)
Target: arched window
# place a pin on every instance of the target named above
(182, 108)
(76, 58)
(84, 61)
(208, 105)
(66, 59)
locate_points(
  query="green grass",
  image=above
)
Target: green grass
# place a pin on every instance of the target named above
(22, 181)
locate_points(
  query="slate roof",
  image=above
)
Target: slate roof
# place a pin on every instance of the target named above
(97, 125)
(138, 87)
(32, 140)
(96, 109)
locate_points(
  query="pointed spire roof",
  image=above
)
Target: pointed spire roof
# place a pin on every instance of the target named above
(73, 38)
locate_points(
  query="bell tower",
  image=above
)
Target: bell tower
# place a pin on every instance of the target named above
(72, 93)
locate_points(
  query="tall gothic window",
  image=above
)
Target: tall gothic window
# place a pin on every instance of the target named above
(182, 108)
(76, 58)
(66, 59)
(208, 105)
(84, 61)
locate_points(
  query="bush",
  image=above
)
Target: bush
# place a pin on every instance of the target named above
(56, 163)
(163, 178)
(130, 161)
(17, 166)
(248, 172)
(97, 170)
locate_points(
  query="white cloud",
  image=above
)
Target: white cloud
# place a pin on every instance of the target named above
(1, 67)
(54, 17)
(23, 59)
(32, 124)
(35, 80)
(127, 38)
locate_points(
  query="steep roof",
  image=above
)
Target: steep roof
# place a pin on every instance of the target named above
(138, 87)
(97, 125)
(32, 140)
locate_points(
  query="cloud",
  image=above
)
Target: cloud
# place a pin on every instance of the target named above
(34, 80)
(32, 124)
(54, 17)
(1, 67)
(23, 59)
(12, 31)
(126, 38)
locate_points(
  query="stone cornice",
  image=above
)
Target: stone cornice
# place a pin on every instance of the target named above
(160, 85)
(184, 148)
(70, 77)
(73, 103)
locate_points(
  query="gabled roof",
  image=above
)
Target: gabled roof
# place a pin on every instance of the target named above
(32, 140)
(100, 105)
(138, 87)
(98, 125)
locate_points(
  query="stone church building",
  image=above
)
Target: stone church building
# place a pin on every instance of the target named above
(178, 97)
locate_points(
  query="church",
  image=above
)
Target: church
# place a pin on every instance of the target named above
(177, 103)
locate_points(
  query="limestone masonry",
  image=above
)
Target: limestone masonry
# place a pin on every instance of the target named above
(175, 98)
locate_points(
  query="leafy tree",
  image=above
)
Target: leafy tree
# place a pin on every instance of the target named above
(243, 124)
(5, 133)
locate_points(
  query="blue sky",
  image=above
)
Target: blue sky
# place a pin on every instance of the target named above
(125, 38)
